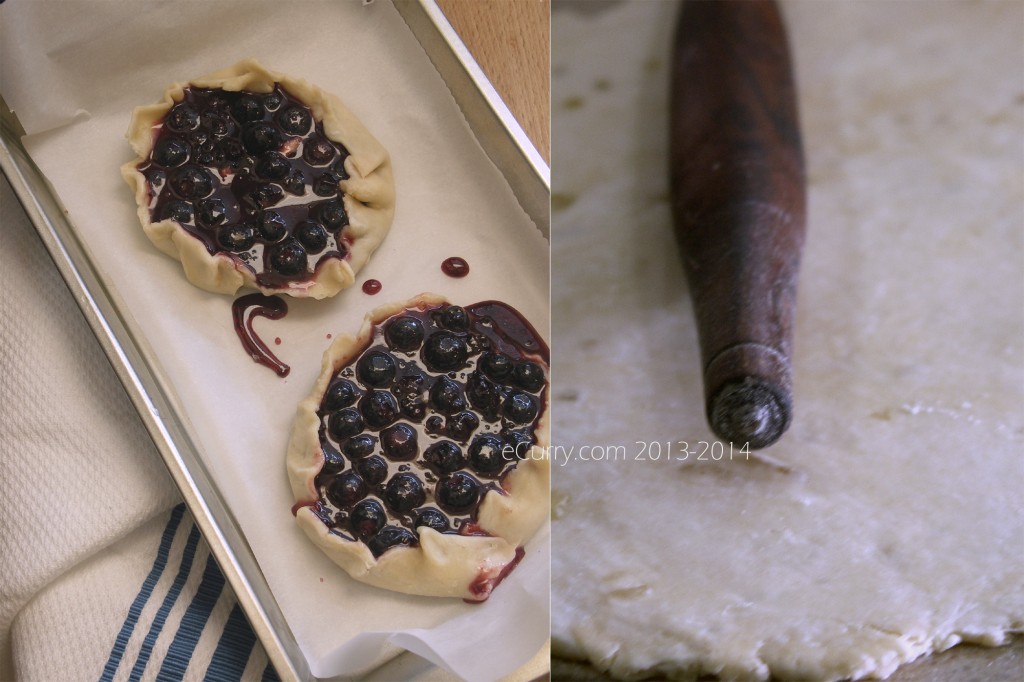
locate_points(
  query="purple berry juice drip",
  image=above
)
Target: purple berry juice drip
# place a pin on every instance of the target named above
(243, 310)
(455, 267)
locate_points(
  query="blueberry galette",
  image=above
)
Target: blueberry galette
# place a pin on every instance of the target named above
(418, 463)
(253, 178)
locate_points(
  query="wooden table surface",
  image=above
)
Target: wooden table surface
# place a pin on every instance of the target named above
(510, 40)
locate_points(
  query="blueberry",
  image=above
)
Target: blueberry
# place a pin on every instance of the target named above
(232, 150)
(294, 120)
(399, 442)
(261, 137)
(192, 182)
(520, 407)
(341, 393)
(332, 215)
(211, 212)
(288, 258)
(264, 196)
(444, 352)
(444, 457)
(409, 385)
(273, 166)
(182, 118)
(379, 408)
(177, 210)
(333, 461)
(311, 235)
(432, 518)
(236, 237)
(295, 183)
(205, 154)
(409, 390)
(446, 396)
(529, 376)
(376, 369)
(247, 108)
(156, 176)
(373, 469)
(367, 518)
(359, 446)
(461, 426)
(404, 334)
(414, 409)
(434, 425)
(317, 151)
(487, 454)
(455, 318)
(272, 100)
(326, 185)
(217, 125)
(272, 226)
(404, 492)
(519, 441)
(457, 493)
(496, 366)
(170, 152)
(344, 424)
(483, 395)
(338, 167)
(391, 536)
(346, 489)
(217, 103)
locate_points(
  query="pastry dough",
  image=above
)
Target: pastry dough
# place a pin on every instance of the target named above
(369, 196)
(447, 564)
(889, 522)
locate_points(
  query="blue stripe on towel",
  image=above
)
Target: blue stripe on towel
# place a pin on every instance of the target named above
(135, 610)
(165, 608)
(233, 649)
(192, 624)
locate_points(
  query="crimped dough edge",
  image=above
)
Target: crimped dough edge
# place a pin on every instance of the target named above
(369, 191)
(444, 565)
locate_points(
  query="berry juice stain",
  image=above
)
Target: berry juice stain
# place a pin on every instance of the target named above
(485, 584)
(243, 310)
(455, 267)
(371, 287)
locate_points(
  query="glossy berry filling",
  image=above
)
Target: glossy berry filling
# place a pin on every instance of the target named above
(252, 176)
(432, 414)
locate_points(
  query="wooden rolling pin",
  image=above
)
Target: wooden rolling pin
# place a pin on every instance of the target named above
(739, 205)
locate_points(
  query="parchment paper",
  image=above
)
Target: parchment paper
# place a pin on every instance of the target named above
(73, 71)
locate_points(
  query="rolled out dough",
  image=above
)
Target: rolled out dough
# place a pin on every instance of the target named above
(889, 522)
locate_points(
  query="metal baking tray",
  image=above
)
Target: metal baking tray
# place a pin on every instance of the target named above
(140, 371)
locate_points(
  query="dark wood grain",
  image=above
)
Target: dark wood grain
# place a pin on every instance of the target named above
(737, 177)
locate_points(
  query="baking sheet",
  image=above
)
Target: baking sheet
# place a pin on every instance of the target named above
(73, 78)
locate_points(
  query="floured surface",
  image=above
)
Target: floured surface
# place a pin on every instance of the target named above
(888, 522)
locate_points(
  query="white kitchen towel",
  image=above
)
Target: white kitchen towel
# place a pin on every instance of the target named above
(103, 575)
